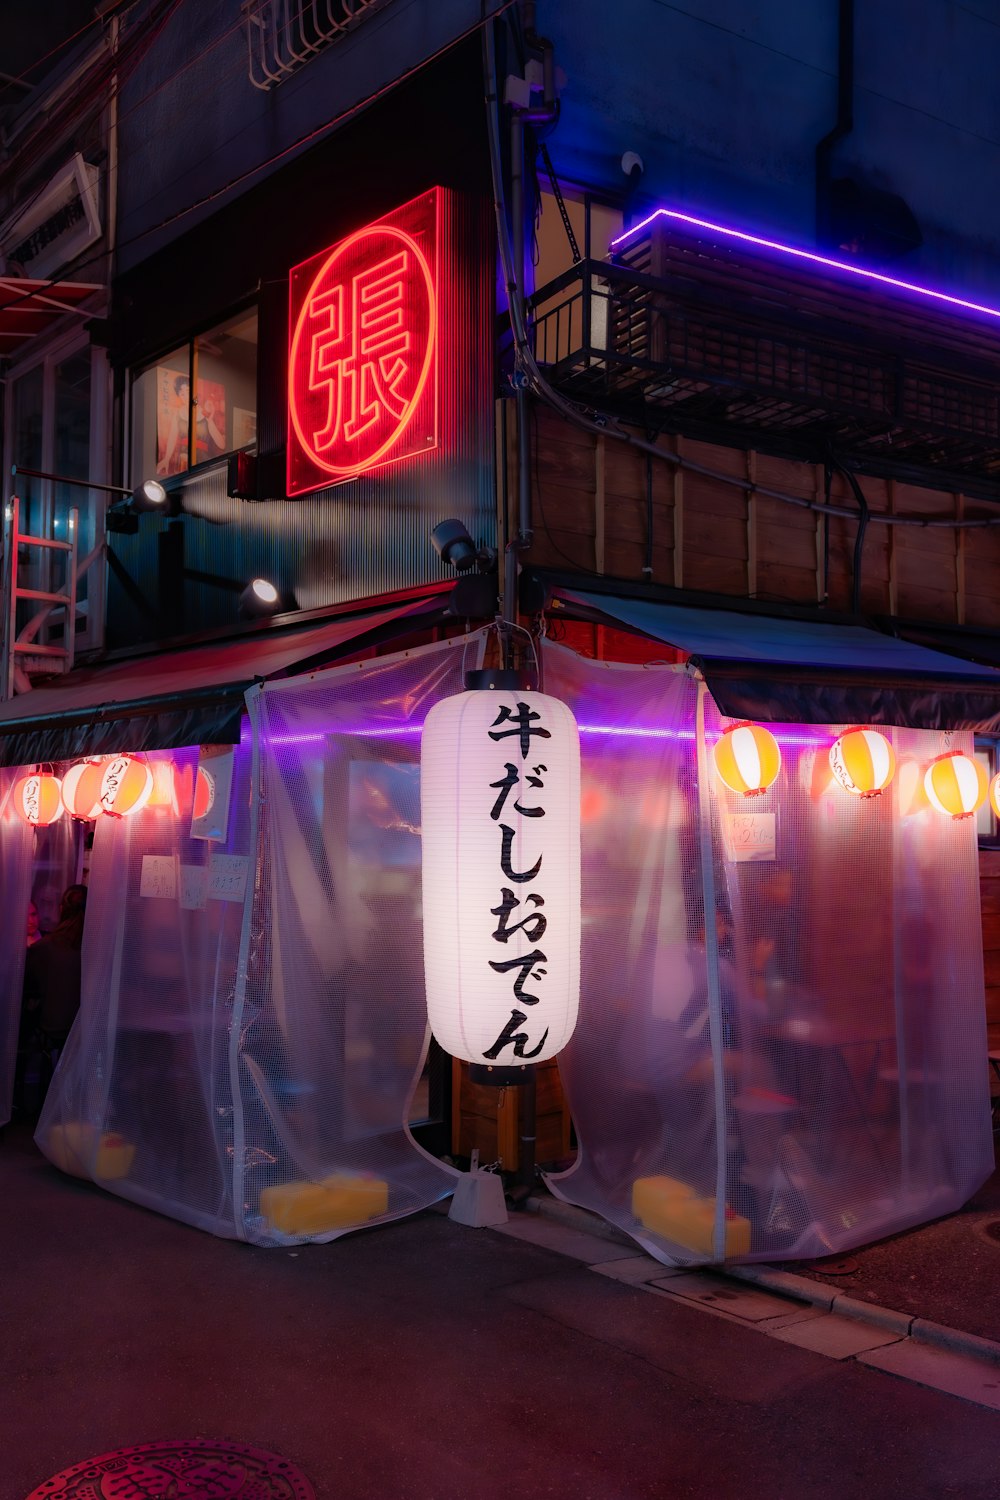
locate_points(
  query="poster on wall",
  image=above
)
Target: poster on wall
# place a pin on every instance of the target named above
(173, 416)
(244, 427)
(212, 791)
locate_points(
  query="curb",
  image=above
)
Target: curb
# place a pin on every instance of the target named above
(799, 1288)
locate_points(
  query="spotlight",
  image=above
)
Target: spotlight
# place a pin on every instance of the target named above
(454, 546)
(259, 598)
(150, 495)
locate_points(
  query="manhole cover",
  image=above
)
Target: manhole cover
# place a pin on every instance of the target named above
(195, 1470)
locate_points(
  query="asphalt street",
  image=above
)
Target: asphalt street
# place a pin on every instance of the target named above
(432, 1361)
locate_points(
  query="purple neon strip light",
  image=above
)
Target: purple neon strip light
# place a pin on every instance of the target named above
(811, 257)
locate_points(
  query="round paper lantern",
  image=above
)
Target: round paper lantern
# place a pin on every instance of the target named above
(81, 789)
(995, 794)
(955, 784)
(38, 798)
(126, 786)
(163, 793)
(500, 814)
(863, 761)
(747, 758)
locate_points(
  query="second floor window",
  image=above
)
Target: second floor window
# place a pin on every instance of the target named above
(196, 403)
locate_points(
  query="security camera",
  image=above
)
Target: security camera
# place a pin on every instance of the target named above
(633, 166)
(454, 546)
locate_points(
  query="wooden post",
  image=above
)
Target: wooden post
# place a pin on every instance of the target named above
(678, 496)
(819, 493)
(751, 459)
(890, 487)
(960, 562)
(600, 458)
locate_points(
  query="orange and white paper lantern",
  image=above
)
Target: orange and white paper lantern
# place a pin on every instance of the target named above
(81, 789)
(747, 758)
(995, 794)
(126, 786)
(500, 816)
(38, 798)
(863, 761)
(955, 784)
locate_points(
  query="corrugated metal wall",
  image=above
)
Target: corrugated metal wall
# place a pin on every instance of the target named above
(352, 541)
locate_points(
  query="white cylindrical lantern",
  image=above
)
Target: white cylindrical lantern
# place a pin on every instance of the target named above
(126, 786)
(500, 814)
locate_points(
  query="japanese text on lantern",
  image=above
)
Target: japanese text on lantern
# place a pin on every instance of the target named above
(362, 366)
(518, 782)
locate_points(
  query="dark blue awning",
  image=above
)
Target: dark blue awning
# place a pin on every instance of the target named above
(808, 671)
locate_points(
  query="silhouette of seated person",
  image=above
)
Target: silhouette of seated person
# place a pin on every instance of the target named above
(673, 1067)
(52, 971)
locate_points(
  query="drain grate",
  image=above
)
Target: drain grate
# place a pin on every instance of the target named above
(199, 1469)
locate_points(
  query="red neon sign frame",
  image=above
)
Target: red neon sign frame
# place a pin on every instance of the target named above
(363, 348)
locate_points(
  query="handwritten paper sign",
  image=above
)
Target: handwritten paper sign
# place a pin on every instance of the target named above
(159, 876)
(194, 887)
(227, 877)
(750, 836)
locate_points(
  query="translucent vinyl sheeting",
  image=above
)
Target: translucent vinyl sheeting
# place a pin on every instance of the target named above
(141, 1100)
(15, 890)
(252, 1025)
(336, 964)
(805, 1071)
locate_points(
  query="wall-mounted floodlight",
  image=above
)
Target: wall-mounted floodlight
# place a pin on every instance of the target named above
(259, 598)
(150, 495)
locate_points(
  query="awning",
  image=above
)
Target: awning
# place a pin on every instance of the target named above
(28, 307)
(193, 696)
(809, 672)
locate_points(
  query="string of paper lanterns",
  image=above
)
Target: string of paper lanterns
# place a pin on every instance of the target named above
(747, 760)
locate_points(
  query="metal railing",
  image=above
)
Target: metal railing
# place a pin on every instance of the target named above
(697, 361)
(282, 35)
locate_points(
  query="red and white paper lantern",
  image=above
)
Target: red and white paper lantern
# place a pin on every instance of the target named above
(81, 789)
(37, 797)
(126, 786)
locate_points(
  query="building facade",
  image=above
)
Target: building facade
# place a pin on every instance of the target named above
(715, 310)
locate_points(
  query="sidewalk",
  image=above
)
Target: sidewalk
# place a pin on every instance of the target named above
(941, 1280)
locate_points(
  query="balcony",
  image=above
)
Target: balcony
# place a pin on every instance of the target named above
(685, 334)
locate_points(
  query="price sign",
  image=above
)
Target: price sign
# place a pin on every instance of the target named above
(227, 877)
(750, 836)
(159, 876)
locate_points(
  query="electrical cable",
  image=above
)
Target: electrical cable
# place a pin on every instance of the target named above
(607, 427)
(310, 137)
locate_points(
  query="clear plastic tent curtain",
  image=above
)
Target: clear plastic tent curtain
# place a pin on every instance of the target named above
(342, 1033)
(804, 1071)
(252, 1024)
(36, 866)
(141, 1100)
(17, 844)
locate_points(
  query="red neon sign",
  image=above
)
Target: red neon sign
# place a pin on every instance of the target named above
(363, 349)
